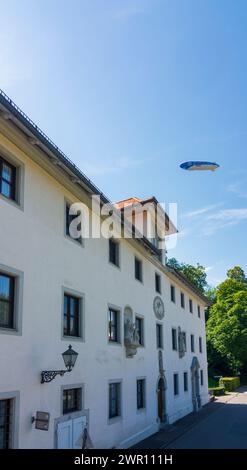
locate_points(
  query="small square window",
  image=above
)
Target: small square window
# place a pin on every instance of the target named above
(158, 283)
(138, 269)
(173, 294)
(174, 339)
(159, 335)
(71, 400)
(182, 300)
(113, 325)
(191, 305)
(175, 384)
(114, 400)
(114, 252)
(140, 391)
(140, 329)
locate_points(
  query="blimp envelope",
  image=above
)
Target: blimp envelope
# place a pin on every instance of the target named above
(199, 166)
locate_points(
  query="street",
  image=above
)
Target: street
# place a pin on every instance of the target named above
(224, 429)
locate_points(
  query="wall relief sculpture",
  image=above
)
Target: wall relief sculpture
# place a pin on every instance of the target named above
(181, 342)
(131, 335)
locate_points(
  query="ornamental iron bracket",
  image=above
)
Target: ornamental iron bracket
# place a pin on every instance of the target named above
(49, 375)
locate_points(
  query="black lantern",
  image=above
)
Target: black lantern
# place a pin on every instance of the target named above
(69, 357)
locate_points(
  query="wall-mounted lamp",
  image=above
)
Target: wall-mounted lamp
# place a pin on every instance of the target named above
(69, 358)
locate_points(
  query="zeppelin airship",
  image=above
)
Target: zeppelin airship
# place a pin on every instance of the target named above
(199, 166)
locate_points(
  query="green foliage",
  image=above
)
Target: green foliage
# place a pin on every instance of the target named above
(212, 382)
(236, 273)
(229, 383)
(195, 274)
(227, 322)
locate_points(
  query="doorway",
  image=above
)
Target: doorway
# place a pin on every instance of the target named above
(195, 385)
(161, 400)
(69, 433)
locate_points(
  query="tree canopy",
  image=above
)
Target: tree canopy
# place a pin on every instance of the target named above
(227, 322)
(195, 274)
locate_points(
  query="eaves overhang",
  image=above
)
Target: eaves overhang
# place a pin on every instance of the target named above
(10, 111)
(176, 275)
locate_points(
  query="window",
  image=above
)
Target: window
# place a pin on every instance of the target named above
(159, 335)
(114, 252)
(113, 325)
(140, 389)
(173, 294)
(182, 300)
(69, 219)
(7, 179)
(6, 418)
(191, 306)
(201, 375)
(138, 269)
(71, 323)
(7, 290)
(200, 345)
(140, 329)
(114, 400)
(174, 339)
(186, 381)
(192, 343)
(199, 311)
(71, 400)
(158, 283)
(175, 384)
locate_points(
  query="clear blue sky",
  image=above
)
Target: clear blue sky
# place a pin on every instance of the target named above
(129, 89)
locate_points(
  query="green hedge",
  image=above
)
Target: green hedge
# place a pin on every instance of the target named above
(217, 391)
(229, 383)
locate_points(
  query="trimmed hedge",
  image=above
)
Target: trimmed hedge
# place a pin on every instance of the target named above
(229, 383)
(217, 391)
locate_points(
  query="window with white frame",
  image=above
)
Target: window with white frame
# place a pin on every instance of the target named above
(140, 329)
(114, 325)
(114, 400)
(140, 394)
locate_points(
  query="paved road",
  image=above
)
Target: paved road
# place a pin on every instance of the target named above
(226, 428)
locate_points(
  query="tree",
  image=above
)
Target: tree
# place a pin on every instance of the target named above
(195, 274)
(227, 322)
(237, 274)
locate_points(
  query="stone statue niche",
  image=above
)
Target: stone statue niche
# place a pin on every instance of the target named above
(131, 335)
(181, 342)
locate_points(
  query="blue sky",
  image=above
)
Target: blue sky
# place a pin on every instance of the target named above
(129, 89)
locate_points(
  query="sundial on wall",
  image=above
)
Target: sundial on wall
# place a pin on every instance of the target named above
(158, 306)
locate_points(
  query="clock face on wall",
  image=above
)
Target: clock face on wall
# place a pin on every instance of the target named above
(158, 306)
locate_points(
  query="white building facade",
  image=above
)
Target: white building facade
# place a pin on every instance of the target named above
(56, 291)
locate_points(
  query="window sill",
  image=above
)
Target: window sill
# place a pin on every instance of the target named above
(75, 241)
(114, 343)
(10, 331)
(12, 202)
(114, 420)
(73, 338)
(114, 265)
(141, 411)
